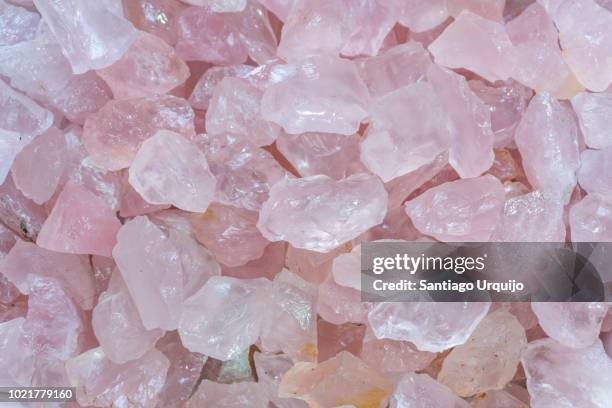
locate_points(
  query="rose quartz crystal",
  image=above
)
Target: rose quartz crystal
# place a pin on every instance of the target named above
(223, 228)
(168, 169)
(399, 141)
(421, 391)
(471, 148)
(16, 355)
(72, 271)
(342, 380)
(231, 322)
(80, 223)
(270, 369)
(20, 114)
(18, 24)
(322, 94)
(447, 324)
(489, 9)
(594, 111)
(475, 43)
(462, 210)
(421, 16)
(38, 167)
(550, 369)
(238, 395)
(102, 383)
(319, 214)
(488, 359)
(203, 90)
(158, 17)
(591, 220)
(92, 35)
(117, 325)
(595, 174)
(547, 138)
(11, 144)
(235, 109)
(152, 272)
(113, 135)
(149, 67)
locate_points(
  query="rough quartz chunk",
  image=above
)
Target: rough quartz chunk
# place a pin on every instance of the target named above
(270, 369)
(575, 325)
(341, 380)
(117, 324)
(113, 135)
(489, 358)
(398, 140)
(430, 326)
(152, 271)
(18, 24)
(203, 90)
(471, 150)
(237, 395)
(595, 112)
(11, 144)
(552, 382)
(168, 169)
(421, 391)
(73, 271)
(80, 223)
(92, 34)
(475, 43)
(489, 9)
(319, 214)
(323, 94)
(420, 16)
(595, 174)
(149, 67)
(16, 357)
(158, 17)
(102, 383)
(547, 138)
(20, 114)
(591, 220)
(224, 317)
(462, 210)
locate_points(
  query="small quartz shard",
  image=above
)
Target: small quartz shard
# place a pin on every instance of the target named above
(92, 34)
(113, 135)
(152, 271)
(595, 112)
(158, 17)
(237, 395)
(20, 114)
(551, 370)
(18, 24)
(429, 326)
(224, 317)
(547, 138)
(148, 67)
(168, 169)
(477, 44)
(421, 391)
(489, 358)
(462, 210)
(203, 90)
(591, 220)
(101, 383)
(322, 94)
(80, 223)
(341, 380)
(399, 141)
(595, 174)
(320, 214)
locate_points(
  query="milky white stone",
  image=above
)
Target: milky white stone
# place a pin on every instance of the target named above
(168, 169)
(595, 112)
(319, 214)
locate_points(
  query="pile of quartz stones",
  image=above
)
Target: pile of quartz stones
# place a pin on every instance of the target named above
(186, 185)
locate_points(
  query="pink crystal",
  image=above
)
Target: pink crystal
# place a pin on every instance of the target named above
(21, 215)
(332, 339)
(220, 6)
(18, 24)
(208, 36)
(235, 109)
(113, 135)
(591, 220)
(232, 318)
(117, 324)
(100, 382)
(168, 169)
(313, 266)
(158, 17)
(270, 369)
(131, 204)
(489, 9)
(595, 174)
(152, 272)
(340, 304)
(594, 111)
(257, 33)
(270, 263)
(38, 167)
(323, 94)
(203, 90)
(319, 214)
(15, 354)
(238, 395)
(488, 359)
(11, 144)
(471, 150)
(421, 16)
(92, 36)
(475, 43)
(547, 138)
(80, 223)
(421, 391)
(223, 229)
(20, 114)
(551, 367)
(399, 141)
(72, 271)
(148, 67)
(462, 210)
(429, 326)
